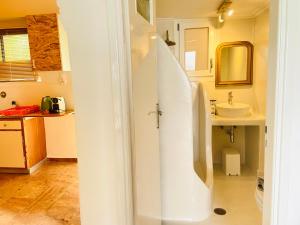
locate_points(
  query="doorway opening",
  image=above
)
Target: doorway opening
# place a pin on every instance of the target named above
(215, 47)
(38, 151)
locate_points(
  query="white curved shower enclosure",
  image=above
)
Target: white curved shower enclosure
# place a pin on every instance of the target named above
(185, 143)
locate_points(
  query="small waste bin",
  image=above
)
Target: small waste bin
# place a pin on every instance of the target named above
(231, 160)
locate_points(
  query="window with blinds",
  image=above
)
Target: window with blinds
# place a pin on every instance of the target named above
(15, 61)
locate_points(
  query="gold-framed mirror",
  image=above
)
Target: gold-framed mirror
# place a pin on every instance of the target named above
(234, 63)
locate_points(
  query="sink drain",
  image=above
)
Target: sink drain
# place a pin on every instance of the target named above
(220, 211)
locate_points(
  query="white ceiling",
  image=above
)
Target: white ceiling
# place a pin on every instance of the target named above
(19, 8)
(207, 8)
(165, 8)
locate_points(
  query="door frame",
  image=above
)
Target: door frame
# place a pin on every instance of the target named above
(282, 144)
(117, 29)
(119, 32)
(277, 169)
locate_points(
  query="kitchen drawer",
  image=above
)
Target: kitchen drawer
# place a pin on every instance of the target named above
(10, 125)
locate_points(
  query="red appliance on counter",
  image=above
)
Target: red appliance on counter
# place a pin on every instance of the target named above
(20, 110)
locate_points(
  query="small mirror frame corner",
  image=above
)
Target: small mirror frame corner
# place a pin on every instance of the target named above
(250, 51)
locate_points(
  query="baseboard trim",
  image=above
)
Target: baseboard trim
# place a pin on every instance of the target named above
(37, 166)
(14, 170)
(62, 160)
(23, 170)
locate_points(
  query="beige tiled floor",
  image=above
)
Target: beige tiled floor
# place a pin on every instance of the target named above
(47, 197)
(237, 196)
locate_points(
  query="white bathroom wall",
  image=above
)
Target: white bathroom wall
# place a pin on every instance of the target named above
(30, 93)
(261, 59)
(247, 139)
(231, 30)
(254, 30)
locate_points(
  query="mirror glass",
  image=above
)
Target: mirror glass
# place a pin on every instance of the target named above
(234, 63)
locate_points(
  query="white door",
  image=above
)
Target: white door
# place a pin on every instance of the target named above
(146, 156)
(196, 43)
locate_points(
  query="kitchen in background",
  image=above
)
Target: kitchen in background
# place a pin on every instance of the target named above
(39, 89)
(38, 154)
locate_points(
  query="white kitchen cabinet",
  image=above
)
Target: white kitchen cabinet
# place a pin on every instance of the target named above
(60, 137)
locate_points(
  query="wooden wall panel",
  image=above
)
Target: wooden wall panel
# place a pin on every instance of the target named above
(35, 141)
(44, 41)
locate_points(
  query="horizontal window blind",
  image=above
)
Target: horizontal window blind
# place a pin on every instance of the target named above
(15, 62)
(17, 71)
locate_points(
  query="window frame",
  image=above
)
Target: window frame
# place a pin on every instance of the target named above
(10, 31)
(195, 24)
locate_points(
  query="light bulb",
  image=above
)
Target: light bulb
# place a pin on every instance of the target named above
(221, 18)
(230, 12)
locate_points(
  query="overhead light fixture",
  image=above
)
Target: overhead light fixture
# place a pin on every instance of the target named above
(225, 8)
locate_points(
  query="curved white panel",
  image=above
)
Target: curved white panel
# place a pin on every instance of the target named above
(185, 197)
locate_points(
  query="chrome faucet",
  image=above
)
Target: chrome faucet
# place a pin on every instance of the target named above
(230, 97)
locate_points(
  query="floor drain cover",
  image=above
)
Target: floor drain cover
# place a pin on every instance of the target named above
(220, 211)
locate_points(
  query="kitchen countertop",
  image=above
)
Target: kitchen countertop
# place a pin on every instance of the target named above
(38, 114)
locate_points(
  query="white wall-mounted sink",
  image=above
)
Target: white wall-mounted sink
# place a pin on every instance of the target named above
(234, 110)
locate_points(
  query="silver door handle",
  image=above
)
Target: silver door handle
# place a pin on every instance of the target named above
(158, 113)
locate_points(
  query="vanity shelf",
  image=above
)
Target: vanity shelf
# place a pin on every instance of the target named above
(253, 120)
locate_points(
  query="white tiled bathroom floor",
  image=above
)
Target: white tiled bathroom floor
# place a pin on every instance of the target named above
(236, 194)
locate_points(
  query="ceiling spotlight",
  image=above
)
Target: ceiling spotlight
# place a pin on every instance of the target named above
(230, 12)
(224, 6)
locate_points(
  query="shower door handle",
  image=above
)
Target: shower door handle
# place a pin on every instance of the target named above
(158, 113)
